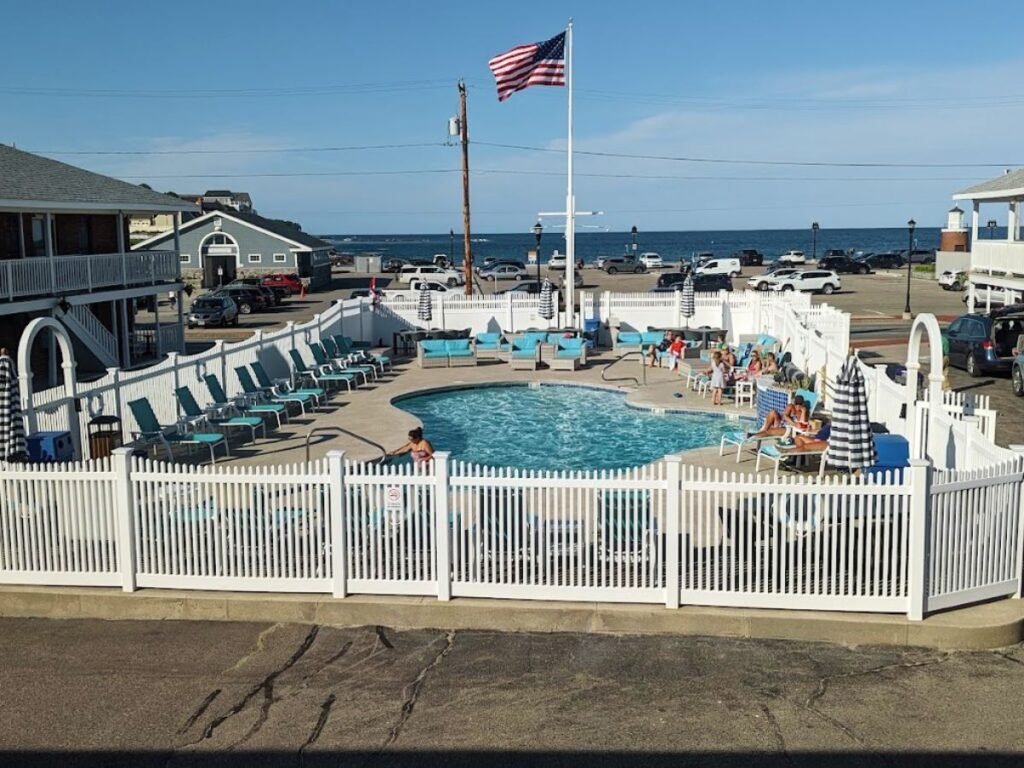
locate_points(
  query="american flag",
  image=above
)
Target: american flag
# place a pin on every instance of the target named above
(531, 64)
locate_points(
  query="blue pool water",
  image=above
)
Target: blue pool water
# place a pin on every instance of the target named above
(556, 427)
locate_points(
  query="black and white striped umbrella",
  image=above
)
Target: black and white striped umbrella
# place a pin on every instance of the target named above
(12, 425)
(546, 306)
(425, 309)
(687, 306)
(850, 444)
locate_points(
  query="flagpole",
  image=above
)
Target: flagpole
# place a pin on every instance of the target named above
(570, 198)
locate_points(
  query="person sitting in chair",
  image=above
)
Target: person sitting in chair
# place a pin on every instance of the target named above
(778, 424)
(810, 443)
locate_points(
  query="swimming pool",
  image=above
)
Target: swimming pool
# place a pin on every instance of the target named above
(556, 427)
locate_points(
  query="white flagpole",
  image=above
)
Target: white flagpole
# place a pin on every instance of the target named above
(570, 198)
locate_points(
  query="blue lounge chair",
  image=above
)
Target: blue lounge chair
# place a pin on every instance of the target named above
(339, 365)
(320, 375)
(345, 346)
(216, 416)
(283, 387)
(491, 345)
(239, 404)
(525, 353)
(151, 432)
(256, 395)
(570, 354)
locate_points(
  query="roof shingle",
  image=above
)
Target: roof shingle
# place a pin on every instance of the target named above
(1007, 182)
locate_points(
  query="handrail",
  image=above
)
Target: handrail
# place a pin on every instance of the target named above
(342, 430)
(625, 378)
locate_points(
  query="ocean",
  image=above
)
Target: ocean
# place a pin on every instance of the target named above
(672, 246)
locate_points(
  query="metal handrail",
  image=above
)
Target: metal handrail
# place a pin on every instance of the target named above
(314, 430)
(626, 378)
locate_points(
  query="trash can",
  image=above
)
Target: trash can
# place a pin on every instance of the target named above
(104, 436)
(591, 329)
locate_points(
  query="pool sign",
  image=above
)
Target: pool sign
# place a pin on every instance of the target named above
(531, 257)
(393, 498)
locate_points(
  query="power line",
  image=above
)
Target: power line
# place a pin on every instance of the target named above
(218, 93)
(255, 151)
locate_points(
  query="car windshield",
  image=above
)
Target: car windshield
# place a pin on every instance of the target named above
(206, 304)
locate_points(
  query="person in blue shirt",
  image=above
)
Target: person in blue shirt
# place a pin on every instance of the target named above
(816, 442)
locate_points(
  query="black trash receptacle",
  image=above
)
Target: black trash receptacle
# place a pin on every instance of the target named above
(104, 436)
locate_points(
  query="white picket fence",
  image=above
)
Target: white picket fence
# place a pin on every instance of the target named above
(508, 312)
(664, 533)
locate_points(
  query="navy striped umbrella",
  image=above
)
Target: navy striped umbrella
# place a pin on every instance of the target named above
(425, 309)
(851, 445)
(546, 306)
(12, 426)
(687, 306)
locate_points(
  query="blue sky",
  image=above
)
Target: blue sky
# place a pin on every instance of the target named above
(903, 82)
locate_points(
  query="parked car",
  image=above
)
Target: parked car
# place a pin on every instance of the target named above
(396, 264)
(749, 257)
(412, 293)
(793, 257)
(577, 279)
(1017, 373)
(883, 260)
(614, 264)
(671, 279)
(247, 299)
(272, 296)
(764, 282)
(209, 310)
(449, 277)
(711, 283)
(990, 295)
(290, 283)
(725, 266)
(953, 279)
(981, 343)
(493, 261)
(843, 265)
(651, 260)
(810, 280)
(533, 287)
(557, 261)
(831, 253)
(775, 266)
(503, 272)
(921, 256)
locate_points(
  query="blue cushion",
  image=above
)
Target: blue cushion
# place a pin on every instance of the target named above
(569, 354)
(442, 354)
(629, 337)
(460, 353)
(537, 337)
(574, 345)
(650, 337)
(524, 344)
(456, 345)
(488, 339)
(524, 352)
(433, 345)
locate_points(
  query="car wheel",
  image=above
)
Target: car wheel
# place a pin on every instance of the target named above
(639, 270)
(245, 308)
(787, 287)
(612, 270)
(452, 282)
(828, 289)
(191, 327)
(1018, 381)
(519, 278)
(763, 286)
(734, 274)
(972, 366)
(955, 287)
(862, 270)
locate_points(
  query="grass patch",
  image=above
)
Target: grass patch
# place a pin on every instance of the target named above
(925, 268)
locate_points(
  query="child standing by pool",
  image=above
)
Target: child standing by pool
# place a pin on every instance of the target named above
(717, 373)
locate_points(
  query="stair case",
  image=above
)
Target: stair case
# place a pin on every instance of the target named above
(81, 321)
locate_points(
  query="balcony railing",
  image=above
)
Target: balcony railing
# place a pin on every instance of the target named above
(998, 256)
(61, 275)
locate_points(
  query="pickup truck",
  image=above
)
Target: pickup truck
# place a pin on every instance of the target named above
(412, 293)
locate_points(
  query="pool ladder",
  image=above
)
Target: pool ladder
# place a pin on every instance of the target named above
(343, 431)
(626, 378)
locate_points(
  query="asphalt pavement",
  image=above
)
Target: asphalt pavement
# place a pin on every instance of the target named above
(134, 693)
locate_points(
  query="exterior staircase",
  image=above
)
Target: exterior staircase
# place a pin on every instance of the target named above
(81, 321)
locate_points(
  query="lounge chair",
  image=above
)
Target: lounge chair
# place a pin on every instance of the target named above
(570, 354)
(346, 346)
(151, 432)
(338, 365)
(431, 353)
(216, 416)
(283, 387)
(256, 394)
(772, 452)
(460, 352)
(742, 440)
(628, 341)
(491, 345)
(239, 404)
(320, 375)
(525, 354)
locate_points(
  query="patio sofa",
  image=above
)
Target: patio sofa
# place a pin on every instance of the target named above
(491, 346)
(525, 353)
(445, 353)
(570, 354)
(627, 341)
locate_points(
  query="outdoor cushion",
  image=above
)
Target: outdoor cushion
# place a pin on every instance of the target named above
(650, 337)
(460, 353)
(433, 355)
(575, 346)
(524, 352)
(433, 345)
(629, 337)
(568, 354)
(457, 345)
(488, 340)
(537, 337)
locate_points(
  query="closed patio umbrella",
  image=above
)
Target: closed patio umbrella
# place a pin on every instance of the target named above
(12, 426)
(687, 306)
(425, 308)
(851, 445)
(546, 307)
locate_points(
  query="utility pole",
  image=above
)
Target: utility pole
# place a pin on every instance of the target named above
(467, 245)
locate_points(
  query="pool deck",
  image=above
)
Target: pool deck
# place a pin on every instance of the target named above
(369, 411)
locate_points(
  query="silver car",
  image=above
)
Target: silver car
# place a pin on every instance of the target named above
(503, 272)
(218, 311)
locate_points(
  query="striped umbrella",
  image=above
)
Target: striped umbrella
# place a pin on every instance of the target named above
(851, 445)
(12, 426)
(426, 305)
(546, 307)
(687, 306)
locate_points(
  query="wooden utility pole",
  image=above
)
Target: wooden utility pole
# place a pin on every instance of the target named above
(467, 243)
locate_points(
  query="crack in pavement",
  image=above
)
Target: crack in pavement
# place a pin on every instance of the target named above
(261, 641)
(780, 739)
(1008, 657)
(325, 715)
(824, 682)
(379, 630)
(413, 692)
(199, 711)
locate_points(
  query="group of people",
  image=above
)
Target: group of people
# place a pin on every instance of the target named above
(794, 424)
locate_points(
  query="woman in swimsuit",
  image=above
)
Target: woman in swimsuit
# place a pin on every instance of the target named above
(418, 447)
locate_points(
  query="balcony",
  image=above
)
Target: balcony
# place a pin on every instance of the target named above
(998, 257)
(62, 275)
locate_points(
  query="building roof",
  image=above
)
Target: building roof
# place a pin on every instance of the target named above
(1008, 186)
(32, 182)
(276, 228)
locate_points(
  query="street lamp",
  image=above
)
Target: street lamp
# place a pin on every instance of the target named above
(992, 224)
(814, 240)
(451, 247)
(538, 230)
(634, 232)
(910, 251)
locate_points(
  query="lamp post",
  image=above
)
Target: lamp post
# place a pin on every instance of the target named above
(633, 232)
(451, 247)
(992, 224)
(538, 230)
(907, 315)
(814, 240)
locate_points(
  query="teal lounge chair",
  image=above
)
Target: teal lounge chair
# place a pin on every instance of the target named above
(339, 364)
(257, 395)
(151, 432)
(192, 410)
(221, 399)
(319, 375)
(570, 354)
(283, 387)
(345, 346)
(491, 345)
(525, 354)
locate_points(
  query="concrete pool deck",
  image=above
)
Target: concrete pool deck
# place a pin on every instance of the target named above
(369, 410)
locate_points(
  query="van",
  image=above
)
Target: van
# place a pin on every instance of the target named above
(730, 266)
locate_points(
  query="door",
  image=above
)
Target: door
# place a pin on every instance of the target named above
(218, 270)
(954, 333)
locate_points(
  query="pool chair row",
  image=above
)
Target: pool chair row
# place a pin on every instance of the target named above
(445, 353)
(559, 352)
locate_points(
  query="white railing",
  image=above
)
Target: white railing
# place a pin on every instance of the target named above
(157, 341)
(997, 256)
(509, 312)
(905, 542)
(85, 323)
(951, 439)
(60, 275)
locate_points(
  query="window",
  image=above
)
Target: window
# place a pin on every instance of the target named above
(186, 258)
(280, 258)
(254, 258)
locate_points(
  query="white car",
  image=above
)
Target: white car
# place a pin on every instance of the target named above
(651, 260)
(726, 266)
(814, 280)
(412, 293)
(768, 279)
(953, 280)
(449, 277)
(793, 257)
(557, 261)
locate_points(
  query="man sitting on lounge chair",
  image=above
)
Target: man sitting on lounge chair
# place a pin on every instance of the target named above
(811, 443)
(777, 425)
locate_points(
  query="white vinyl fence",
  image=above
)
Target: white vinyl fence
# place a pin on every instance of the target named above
(665, 533)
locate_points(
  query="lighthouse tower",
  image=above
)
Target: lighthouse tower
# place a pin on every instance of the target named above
(954, 236)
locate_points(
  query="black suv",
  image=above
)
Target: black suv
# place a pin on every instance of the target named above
(274, 296)
(615, 264)
(669, 279)
(843, 264)
(701, 284)
(980, 343)
(884, 260)
(749, 257)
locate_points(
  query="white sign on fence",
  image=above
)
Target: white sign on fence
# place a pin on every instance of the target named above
(393, 499)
